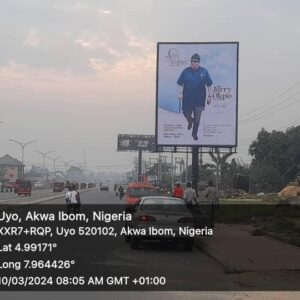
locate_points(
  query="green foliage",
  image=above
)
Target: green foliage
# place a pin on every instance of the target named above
(276, 159)
(227, 171)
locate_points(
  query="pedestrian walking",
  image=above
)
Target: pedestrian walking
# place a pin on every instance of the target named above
(72, 199)
(212, 196)
(189, 195)
(121, 192)
(178, 191)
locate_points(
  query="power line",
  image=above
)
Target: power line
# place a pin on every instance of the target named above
(271, 113)
(262, 114)
(273, 99)
(289, 124)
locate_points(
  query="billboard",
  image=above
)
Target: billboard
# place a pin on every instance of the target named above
(135, 142)
(197, 94)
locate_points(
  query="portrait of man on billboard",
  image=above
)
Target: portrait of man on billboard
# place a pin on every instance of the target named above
(197, 98)
(194, 88)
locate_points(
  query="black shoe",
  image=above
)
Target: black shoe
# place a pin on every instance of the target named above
(190, 124)
(195, 137)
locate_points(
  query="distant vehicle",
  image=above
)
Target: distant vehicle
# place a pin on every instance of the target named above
(91, 185)
(135, 190)
(58, 187)
(24, 188)
(17, 185)
(160, 213)
(82, 186)
(104, 188)
(7, 185)
(38, 184)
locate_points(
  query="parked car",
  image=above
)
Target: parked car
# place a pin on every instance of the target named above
(160, 212)
(104, 187)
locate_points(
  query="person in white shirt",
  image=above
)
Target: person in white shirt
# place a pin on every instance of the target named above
(72, 199)
(189, 195)
(211, 193)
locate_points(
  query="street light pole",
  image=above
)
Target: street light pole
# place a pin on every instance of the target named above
(44, 154)
(22, 145)
(54, 160)
(66, 163)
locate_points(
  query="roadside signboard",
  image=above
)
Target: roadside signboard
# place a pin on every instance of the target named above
(136, 142)
(197, 94)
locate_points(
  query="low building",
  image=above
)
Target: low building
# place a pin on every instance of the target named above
(74, 174)
(10, 168)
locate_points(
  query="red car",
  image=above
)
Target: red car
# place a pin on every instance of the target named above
(25, 188)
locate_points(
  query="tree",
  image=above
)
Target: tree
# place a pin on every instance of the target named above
(276, 158)
(220, 159)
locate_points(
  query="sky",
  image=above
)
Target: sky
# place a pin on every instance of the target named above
(74, 74)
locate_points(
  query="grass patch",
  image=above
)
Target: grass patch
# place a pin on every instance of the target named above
(278, 221)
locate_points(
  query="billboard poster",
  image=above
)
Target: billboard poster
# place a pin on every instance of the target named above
(136, 142)
(197, 94)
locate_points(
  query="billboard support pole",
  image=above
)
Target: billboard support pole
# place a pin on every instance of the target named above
(186, 166)
(200, 165)
(218, 166)
(195, 167)
(140, 166)
(172, 170)
(159, 167)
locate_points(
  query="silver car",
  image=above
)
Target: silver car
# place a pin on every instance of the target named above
(160, 218)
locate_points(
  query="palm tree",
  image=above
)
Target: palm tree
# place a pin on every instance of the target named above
(220, 160)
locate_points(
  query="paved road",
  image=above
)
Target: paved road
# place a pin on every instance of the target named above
(187, 270)
(184, 269)
(94, 196)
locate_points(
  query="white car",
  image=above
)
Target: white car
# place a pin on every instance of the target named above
(167, 215)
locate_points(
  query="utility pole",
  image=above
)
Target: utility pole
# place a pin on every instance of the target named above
(22, 145)
(200, 164)
(66, 163)
(195, 167)
(186, 165)
(163, 168)
(155, 170)
(84, 164)
(159, 167)
(54, 160)
(172, 170)
(218, 166)
(140, 166)
(44, 154)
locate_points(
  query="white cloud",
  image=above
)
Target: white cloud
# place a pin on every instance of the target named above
(98, 64)
(135, 41)
(103, 11)
(33, 38)
(83, 43)
(89, 40)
